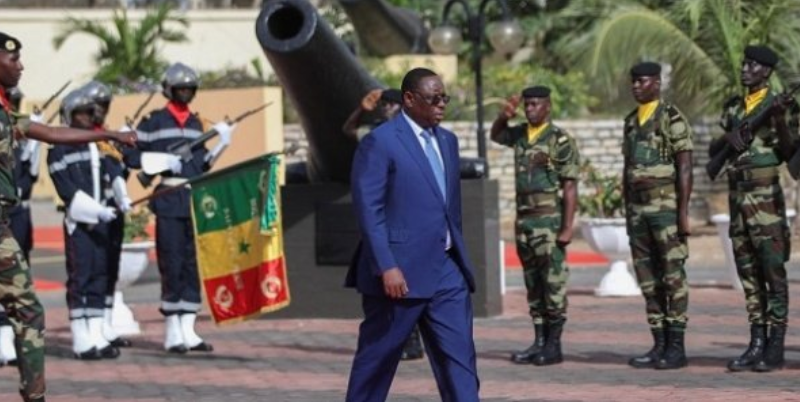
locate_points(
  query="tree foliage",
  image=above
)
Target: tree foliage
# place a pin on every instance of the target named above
(701, 42)
(129, 52)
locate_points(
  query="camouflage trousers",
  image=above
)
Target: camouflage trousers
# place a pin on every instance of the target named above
(659, 255)
(760, 236)
(544, 267)
(25, 313)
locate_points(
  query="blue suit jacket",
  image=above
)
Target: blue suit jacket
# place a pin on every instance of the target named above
(401, 212)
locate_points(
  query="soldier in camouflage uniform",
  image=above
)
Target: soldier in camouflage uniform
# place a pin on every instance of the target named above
(16, 286)
(758, 228)
(546, 161)
(657, 180)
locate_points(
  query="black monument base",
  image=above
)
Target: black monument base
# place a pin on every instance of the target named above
(320, 236)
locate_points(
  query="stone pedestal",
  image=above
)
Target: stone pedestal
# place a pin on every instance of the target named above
(321, 234)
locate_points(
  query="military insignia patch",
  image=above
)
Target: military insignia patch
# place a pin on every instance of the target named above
(10, 45)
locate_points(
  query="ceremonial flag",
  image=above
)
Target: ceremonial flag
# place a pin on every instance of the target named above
(239, 240)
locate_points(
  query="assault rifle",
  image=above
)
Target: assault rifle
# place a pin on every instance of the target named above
(130, 121)
(38, 110)
(746, 128)
(184, 149)
(289, 150)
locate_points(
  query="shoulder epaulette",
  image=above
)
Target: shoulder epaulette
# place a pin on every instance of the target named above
(732, 101)
(632, 114)
(672, 112)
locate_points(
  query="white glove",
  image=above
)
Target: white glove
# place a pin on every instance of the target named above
(125, 205)
(174, 163)
(37, 118)
(224, 130)
(107, 214)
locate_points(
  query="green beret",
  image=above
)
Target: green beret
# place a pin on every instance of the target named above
(761, 54)
(9, 43)
(646, 69)
(538, 91)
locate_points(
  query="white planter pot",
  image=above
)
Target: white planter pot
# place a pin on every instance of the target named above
(609, 237)
(132, 263)
(723, 224)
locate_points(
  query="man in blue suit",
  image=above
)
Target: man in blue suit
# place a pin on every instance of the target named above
(411, 266)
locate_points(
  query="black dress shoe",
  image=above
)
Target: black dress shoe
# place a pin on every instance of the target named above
(109, 352)
(202, 347)
(91, 354)
(180, 349)
(121, 343)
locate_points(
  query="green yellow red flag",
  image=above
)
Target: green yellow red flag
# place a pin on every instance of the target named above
(239, 240)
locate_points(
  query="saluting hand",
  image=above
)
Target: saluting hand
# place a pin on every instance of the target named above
(370, 100)
(510, 108)
(394, 283)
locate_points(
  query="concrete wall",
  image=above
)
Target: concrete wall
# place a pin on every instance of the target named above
(218, 38)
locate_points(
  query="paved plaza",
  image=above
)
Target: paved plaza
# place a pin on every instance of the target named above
(308, 360)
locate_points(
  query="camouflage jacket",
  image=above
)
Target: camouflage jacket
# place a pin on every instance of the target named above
(650, 149)
(9, 124)
(763, 150)
(540, 166)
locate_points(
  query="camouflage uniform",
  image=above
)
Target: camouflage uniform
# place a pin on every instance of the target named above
(758, 228)
(540, 166)
(652, 214)
(16, 286)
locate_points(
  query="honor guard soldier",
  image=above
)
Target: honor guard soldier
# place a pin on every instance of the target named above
(101, 95)
(546, 169)
(657, 182)
(758, 230)
(80, 174)
(26, 172)
(17, 295)
(175, 248)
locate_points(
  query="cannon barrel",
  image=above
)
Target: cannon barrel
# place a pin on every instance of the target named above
(384, 29)
(320, 76)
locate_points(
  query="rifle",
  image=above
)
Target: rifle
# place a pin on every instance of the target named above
(289, 150)
(38, 110)
(130, 121)
(184, 149)
(718, 160)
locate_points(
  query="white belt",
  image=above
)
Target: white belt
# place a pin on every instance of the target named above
(174, 181)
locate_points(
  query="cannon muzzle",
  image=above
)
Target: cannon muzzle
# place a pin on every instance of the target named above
(320, 76)
(384, 29)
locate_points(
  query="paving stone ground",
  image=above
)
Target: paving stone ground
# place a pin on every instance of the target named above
(308, 360)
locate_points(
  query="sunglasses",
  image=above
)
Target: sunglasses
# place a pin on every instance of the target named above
(434, 100)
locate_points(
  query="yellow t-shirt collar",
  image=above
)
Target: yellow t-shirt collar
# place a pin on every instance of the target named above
(645, 111)
(754, 99)
(535, 132)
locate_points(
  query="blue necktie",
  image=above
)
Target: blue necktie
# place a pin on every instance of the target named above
(433, 159)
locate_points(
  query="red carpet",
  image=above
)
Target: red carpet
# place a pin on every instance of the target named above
(579, 258)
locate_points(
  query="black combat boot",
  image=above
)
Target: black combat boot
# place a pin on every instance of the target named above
(772, 359)
(674, 356)
(526, 356)
(551, 352)
(109, 352)
(754, 352)
(412, 350)
(649, 359)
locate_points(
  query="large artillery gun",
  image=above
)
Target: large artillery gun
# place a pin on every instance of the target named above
(384, 29)
(320, 76)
